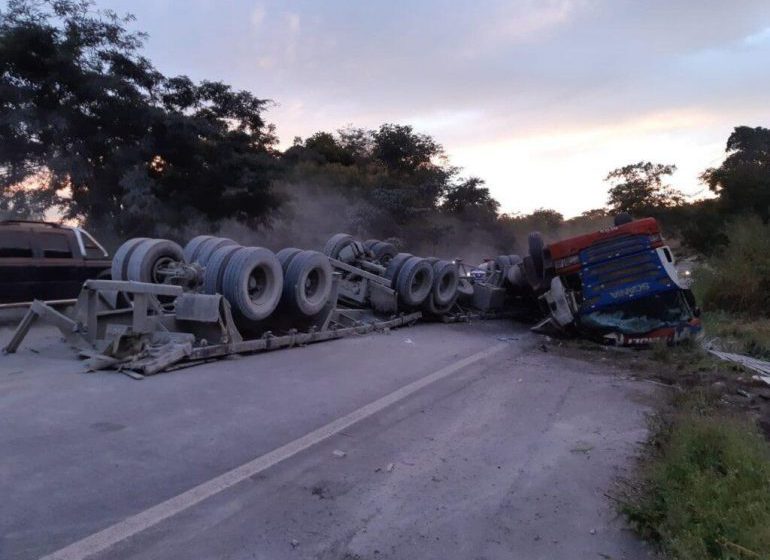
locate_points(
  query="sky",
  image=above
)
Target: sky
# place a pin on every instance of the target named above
(541, 98)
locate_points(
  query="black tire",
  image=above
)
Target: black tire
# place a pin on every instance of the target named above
(119, 268)
(465, 290)
(208, 248)
(284, 256)
(253, 282)
(445, 281)
(337, 243)
(307, 283)
(415, 281)
(531, 275)
(394, 267)
(536, 246)
(383, 252)
(215, 269)
(430, 306)
(515, 259)
(150, 256)
(369, 243)
(193, 247)
(432, 260)
(622, 218)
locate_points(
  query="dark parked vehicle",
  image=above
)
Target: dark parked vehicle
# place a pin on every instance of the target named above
(41, 260)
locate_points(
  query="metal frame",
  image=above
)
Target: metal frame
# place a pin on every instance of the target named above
(150, 336)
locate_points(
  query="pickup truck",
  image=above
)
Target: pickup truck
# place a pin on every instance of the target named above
(46, 261)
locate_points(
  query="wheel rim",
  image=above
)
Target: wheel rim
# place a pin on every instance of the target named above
(157, 270)
(257, 284)
(444, 284)
(312, 284)
(418, 281)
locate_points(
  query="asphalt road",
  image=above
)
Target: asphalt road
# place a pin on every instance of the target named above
(437, 441)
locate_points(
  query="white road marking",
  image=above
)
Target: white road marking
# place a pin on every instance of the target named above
(129, 527)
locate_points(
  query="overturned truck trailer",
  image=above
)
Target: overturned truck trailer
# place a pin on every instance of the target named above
(167, 306)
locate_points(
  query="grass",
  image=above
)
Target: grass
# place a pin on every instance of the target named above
(705, 489)
(739, 333)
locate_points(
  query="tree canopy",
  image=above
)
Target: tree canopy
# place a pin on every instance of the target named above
(90, 127)
(743, 180)
(639, 188)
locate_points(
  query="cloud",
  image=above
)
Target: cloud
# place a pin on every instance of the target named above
(559, 91)
(258, 15)
(758, 38)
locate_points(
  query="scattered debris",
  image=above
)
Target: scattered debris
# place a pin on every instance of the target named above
(761, 367)
(390, 467)
(582, 447)
(339, 453)
(294, 543)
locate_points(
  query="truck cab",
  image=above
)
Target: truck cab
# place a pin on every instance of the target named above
(47, 261)
(619, 284)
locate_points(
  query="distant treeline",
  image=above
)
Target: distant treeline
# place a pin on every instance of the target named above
(91, 129)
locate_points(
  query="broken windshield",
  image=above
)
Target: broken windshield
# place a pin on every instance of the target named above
(667, 309)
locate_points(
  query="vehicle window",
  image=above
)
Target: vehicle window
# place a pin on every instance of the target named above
(15, 245)
(55, 246)
(93, 251)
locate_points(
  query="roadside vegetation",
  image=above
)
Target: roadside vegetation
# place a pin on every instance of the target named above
(705, 491)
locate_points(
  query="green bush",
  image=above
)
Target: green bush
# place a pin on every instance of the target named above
(707, 493)
(737, 279)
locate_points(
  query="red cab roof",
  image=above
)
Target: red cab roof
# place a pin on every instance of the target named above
(573, 245)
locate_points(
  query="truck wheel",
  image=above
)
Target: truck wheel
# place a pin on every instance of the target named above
(285, 256)
(445, 281)
(383, 252)
(534, 280)
(394, 267)
(415, 280)
(536, 246)
(253, 282)
(119, 268)
(337, 243)
(464, 290)
(150, 257)
(208, 247)
(215, 269)
(369, 243)
(307, 283)
(193, 247)
(432, 260)
(431, 307)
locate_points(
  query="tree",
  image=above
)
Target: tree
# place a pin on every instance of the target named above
(545, 219)
(639, 188)
(90, 127)
(470, 197)
(743, 180)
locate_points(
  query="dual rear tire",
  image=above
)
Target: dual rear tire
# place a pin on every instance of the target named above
(144, 260)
